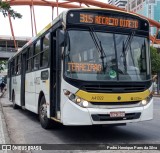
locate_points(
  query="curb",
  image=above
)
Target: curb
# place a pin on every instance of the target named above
(156, 96)
(10, 132)
(7, 139)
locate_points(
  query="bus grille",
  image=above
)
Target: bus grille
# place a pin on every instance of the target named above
(115, 103)
(113, 88)
(106, 117)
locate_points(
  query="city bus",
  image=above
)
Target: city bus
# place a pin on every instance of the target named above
(87, 67)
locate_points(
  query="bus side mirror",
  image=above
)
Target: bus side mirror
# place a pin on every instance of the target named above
(61, 36)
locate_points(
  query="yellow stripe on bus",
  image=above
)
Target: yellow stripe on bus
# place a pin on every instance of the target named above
(44, 29)
(47, 85)
(113, 97)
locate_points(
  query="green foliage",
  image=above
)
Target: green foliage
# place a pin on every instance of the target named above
(2, 65)
(155, 60)
(6, 9)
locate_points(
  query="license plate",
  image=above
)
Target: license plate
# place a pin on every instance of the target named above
(117, 114)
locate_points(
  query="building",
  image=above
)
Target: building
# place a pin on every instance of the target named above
(118, 3)
(7, 48)
(148, 8)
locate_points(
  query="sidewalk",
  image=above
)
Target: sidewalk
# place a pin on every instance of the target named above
(2, 139)
(155, 95)
(4, 136)
(11, 134)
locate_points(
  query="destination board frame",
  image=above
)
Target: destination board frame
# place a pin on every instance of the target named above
(76, 17)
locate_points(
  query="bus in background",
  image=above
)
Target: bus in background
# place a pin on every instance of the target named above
(88, 67)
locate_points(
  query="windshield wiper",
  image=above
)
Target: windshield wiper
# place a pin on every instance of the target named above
(126, 44)
(98, 45)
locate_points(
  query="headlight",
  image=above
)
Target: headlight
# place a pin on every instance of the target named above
(77, 100)
(144, 102)
(85, 103)
(147, 100)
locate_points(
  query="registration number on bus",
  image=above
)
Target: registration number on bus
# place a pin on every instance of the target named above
(117, 114)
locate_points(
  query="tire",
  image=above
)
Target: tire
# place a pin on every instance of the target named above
(15, 106)
(46, 123)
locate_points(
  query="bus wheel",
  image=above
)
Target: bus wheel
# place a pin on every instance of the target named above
(15, 106)
(44, 120)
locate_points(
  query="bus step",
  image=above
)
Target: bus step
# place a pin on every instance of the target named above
(23, 107)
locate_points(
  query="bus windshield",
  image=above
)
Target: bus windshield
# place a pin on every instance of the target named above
(102, 56)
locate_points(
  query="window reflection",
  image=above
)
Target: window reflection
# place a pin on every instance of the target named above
(124, 60)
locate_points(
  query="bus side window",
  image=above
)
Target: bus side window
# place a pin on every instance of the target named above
(16, 66)
(19, 64)
(36, 55)
(12, 67)
(8, 67)
(44, 51)
(29, 59)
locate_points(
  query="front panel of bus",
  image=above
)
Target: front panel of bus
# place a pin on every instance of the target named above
(106, 69)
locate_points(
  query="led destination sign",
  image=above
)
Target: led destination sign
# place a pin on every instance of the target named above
(108, 20)
(84, 67)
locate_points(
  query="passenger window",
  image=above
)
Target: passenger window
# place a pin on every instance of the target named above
(36, 55)
(13, 67)
(19, 65)
(45, 51)
(29, 59)
(37, 47)
(16, 70)
(36, 62)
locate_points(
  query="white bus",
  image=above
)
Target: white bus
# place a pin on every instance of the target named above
(88, 67)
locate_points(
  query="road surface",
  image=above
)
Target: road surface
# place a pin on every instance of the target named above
(24, 128)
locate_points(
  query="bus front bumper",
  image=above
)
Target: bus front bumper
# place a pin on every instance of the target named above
(73, 114)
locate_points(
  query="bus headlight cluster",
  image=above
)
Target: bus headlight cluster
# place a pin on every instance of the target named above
(79, 101)
(147, 100)
(144, 102)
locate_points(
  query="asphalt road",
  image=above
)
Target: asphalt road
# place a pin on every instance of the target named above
(24, 128)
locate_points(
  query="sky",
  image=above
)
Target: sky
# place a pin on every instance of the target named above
(22, 27)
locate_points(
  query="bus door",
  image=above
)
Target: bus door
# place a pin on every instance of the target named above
(55, 81)
(23, 73)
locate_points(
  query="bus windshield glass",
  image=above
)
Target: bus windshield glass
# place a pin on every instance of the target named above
(102, 56)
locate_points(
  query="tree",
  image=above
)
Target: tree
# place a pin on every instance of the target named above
(155, 61)
(6, 9)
